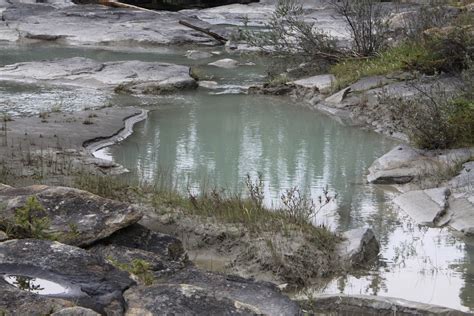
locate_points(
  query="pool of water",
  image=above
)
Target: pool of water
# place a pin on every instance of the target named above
(204, 138)
(38, 285)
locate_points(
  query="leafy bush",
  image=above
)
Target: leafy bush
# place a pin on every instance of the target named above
(435, 119)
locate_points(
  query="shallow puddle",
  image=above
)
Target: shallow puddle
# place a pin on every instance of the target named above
(37, 285)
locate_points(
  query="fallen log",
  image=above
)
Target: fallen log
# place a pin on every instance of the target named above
(214, 35)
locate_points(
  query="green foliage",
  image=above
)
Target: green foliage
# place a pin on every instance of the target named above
(435, 119)
(448, 53)
(388, 61)
(138, 267)
(30, 222)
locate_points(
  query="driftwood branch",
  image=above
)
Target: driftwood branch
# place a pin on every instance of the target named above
(214, 35)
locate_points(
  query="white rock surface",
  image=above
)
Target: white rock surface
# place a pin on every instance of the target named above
(426, 207)
(128, 76)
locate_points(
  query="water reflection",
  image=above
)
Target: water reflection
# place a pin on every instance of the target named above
(36, 285)
(204, 140)
(217, 140)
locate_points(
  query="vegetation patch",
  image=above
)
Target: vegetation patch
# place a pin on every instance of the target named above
(138, 267)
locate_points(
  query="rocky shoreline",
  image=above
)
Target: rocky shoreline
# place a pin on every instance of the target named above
(116, 258)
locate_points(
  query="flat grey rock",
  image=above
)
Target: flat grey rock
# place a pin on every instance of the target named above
(263, 296)
(341, 304)
(322, 83)
(426, 207)
(336, 100)
(75, 311)
(461, 213)
(85, 25)
(74, 216)
(181, 299)
(87, 280)
(121, 76)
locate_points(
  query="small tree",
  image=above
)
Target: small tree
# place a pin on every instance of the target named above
(367, 22)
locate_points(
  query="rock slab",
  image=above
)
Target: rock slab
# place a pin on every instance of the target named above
(181, 299)
(122, 76)
(73, 216)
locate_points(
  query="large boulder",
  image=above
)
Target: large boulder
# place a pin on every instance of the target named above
(122, 76)
(76, 275)
(68, 215)
(263, 296)
(181, 299)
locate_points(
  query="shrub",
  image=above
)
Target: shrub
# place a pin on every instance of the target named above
(435, 119)
(289, 34)
(366, 20)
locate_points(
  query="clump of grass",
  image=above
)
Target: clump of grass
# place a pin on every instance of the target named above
(278, 79)
(225, 207)
(138, 267)
(389, 61)
(88, 121)
(439, 51)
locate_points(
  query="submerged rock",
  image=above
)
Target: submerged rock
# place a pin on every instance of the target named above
(120, 76)
(86, 279)
(182, 299)
(359, 248)
(70, 215)
(227, 63)
(195, 54)
(263, 296)
(340, 304)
